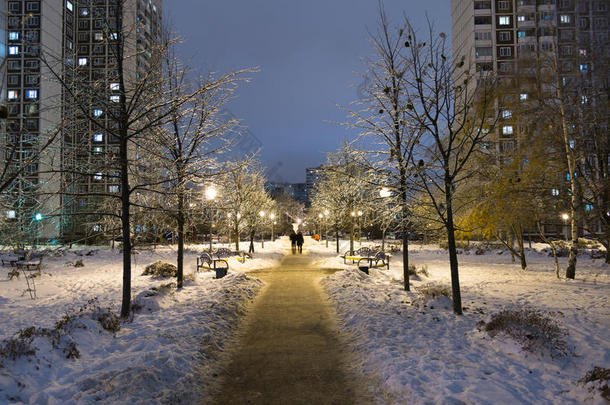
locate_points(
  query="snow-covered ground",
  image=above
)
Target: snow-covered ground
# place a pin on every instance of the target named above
(163, 355)
(422, 353)
(414, 350)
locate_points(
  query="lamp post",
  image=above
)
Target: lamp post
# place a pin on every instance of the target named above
(351, 236)
(320, 216)
(359, 214)
(326, 213)
(262, 215)
(565, 217)
(384, 193)
(210, 195)
(272, 218)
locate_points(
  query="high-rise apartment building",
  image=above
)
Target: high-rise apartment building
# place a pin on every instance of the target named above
(518, 39)
(72, 39)
(494, 34)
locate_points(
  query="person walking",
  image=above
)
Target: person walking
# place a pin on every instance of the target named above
(293, 241)
(300, 241)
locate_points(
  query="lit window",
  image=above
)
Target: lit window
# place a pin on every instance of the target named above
(13, 94)
(504, 20)
(82, 61)
(13, 50)
(97, 228)
(582, 52)
(507, 130)
(572, 144)
(521, 34)
(523, 96)
(13, 36)
(98, 137)
(506, 114)
(69, 6)
(505, 51)
(11, 214)
(31, 94)
(584, 67)
(589, 207)
(584, 99)
(115, 99)
(99, 36)
(113, 189)
(114, 86)
(84, 12)
(521, 18)
(555, 192)
(97, 112)
(114, 36)
(564, 18)
(97, 150)
(97, 176)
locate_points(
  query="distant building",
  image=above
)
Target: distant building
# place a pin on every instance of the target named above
(312, 178)
(296, 191)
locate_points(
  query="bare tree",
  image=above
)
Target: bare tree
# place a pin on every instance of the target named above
(453, 108)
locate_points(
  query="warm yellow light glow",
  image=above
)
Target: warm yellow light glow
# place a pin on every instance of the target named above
(210, 193)
(320, 216)
(385, 192)
(272, 216)
(565, 216)
(262, 214)
(326, 212)
(359, 213)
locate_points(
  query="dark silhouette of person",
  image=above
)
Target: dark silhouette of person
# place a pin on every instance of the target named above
(300, 241)
(293, 241)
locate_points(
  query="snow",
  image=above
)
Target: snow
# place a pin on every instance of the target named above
(421, 353)
(412, 348)
(163, 355)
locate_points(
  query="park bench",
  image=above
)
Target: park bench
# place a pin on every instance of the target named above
(362, 253)
(31, 261)
(379, 259)
(209, 262)
(15, 256)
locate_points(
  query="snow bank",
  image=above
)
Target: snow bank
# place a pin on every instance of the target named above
(164, 355)
(422, 353)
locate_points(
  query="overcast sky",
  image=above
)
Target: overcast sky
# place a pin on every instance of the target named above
(308, 53)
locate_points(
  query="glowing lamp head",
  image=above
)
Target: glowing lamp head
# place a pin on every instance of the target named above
(210, 193)
(385, 192)
(565, 216)
(320, 216)
(262, 214)
(326, 212)
(272, 216)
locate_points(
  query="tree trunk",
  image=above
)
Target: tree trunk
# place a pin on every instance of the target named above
(337, 237)
(453, 260)
(405, 256)
(521, 251)
(383, 240)
(181, 221)
(351, 237)
(251, 249)
(125, 225)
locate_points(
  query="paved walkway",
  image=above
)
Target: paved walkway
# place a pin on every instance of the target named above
(289, 350)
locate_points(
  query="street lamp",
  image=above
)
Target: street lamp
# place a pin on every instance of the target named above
(262, 215)
(320, 216)
(359, 227)
(565, 217)
(272, 218)
(210, 195)
(385, 192)
(326, 213)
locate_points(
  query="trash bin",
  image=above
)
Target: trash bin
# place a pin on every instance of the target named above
(221, 272)
(364, 269)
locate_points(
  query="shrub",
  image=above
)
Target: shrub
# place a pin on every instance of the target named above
(161, 269)
(79, 263)
(434, 290)
(601, 377)
(13, 273)
(415, 272)
(531, 328)
(20, 345)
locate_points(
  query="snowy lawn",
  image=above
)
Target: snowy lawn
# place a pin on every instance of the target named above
(422, 353)
(165, 354)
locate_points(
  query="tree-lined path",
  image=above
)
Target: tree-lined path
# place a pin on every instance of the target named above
(289, 351)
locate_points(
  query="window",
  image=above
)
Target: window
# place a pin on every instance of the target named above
(32, 64)
(483, 51)
(98, 150)
(32, 6)
(506, 114)
(482, 5)
(565, 19)
(13, 36)
(11, 214)
(98, 113)
(482, 19)
(523, 96)
(555, 192)
(507, 130)
(31, 35)
(505, 35)
(114, 86)
(14, 65)
(115, 99)
(82, 61)
(31, 94)
(98, 138)
(503, 5)
(13, 95)
(14, 6)
(13, 50)
(84, 11)
(13, 80)
(504, 20)
(584, 99)
(97, 176)
(583, 22)
(69, 5)
(520, 34)
(505, 51)
(113, 189)
(482, 35)
(99, 36)
(584, 67)
(521, 18)
(33, 21)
